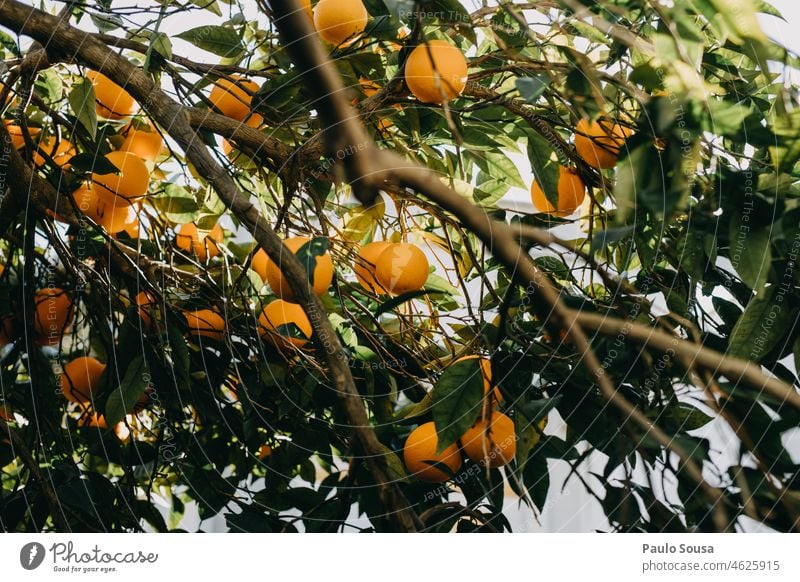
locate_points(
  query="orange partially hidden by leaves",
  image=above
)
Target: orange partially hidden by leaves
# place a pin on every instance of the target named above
(113, 102)
(419, 454)
(59, 150)
(93, 420)
(402, 268)
(80, 381)
(436, 72)
(571, 192)
(284, 325)
(6, 413)
(142, 140)
(599, 142)
(338, 22)
(133, 178)
(271, 273)
(54, 313)
(364, 267)
(232, 96)
(147, 308)
(264, 451)
(6, 330)
(113, 213)
(206, 323)
(189, 240)
(495, 397)
(491, 442)
(15, 131)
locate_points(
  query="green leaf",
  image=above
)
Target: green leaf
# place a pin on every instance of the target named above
(83, 102)
(210, 5)
(123, 398)
(177, 204)
(545, 168)
(751, 254)
(760, 328)
(531, 88)
(308, 253)
(219, 40)
(457, 398)
(162, 45)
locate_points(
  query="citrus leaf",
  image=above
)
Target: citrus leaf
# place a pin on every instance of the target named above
(400, 299)
(545, 169)
(759, 329)
(457, 398)
(221, 41)
(123, 398)
(82, 101)
(308, 253)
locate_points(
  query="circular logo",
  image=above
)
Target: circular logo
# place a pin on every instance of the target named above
(31, 555)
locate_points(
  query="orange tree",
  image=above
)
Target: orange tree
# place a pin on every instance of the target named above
(416, 352)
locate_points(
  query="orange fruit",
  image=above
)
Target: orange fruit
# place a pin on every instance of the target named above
(436, 72)
(486, 371)
(80, 380)
(113, 102)
(284, 325)
(264, 451)
(571, 192)
(598, 142)
(401, 268)
(108, 210)
(142, 141)
(60, 150)
(364, 267)
(54, 313)
(93, 420)
(492, 441)
(15, 131)
(206, 323)
(322, 277)
(420, 451)
(6, 330)
(145, 301)
(133, 178)
(232, 96)
(6, 413)
(338, 22)
(188, 240)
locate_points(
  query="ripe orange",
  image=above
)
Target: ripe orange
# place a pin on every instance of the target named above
(142, 141)
(486, 371)
(6, 413)
(133, 178)
(206, 323)
(15, 131)
(420, 451)
(232, 96)
(401, 268)
(364, 267)
(6, 330)
(571, 192)
(80, 381)
(188, 240)
(436, 72)
(264, 451)
(108, 210)
(113, 102)
(284, 325)
(54, 313)
(492, 442)
(93, 420)
(323, 271)
(60, 150)
(145, 301)
(599, 142)
(338, 22)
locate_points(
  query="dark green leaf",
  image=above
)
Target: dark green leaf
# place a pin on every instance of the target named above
(123, 398)
(457, 398)
(219, 40)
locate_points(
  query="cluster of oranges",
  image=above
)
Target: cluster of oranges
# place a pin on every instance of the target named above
(598, 143)
(491, 441)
